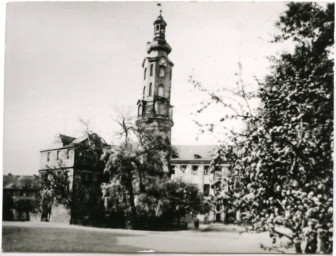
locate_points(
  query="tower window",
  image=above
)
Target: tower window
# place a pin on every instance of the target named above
(145, 73)
(162, 72)
(140, 110)
(160, 93)
(151, 70)
(150, 90)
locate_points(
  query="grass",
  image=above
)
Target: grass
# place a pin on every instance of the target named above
(39, 239)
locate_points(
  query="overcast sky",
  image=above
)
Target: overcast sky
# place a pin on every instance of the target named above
(66, 61)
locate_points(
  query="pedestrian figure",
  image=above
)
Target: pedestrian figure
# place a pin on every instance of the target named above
(196, 224)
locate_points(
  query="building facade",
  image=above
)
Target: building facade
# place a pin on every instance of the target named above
(85, 171)
(155, 114)
(154, 109)
(191, 164)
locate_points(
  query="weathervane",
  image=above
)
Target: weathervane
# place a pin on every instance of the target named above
(159, 4)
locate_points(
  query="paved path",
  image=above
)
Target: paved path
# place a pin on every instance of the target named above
(214, 238)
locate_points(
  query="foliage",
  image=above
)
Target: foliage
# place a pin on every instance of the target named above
(174, 198)
(281, 167)
(24, 204)
(138, 168)
(56, 184)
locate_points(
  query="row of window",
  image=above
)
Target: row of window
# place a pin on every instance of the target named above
(194, 169)
(58, 154)
(162, 71)
(150, 90)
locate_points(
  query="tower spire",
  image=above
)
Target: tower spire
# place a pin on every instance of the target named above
(160, 6)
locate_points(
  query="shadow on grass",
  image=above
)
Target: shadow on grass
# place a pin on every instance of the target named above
(39, 239)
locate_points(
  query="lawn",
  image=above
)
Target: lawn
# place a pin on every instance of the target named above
(51, 237)
(42, 239)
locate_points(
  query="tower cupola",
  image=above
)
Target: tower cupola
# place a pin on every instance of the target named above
(159, 28)
(159, 41)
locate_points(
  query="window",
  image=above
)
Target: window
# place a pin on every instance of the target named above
(162, 72)
(194, 169)
(171, 72)
(172, 171)
(206, 189)
(57, 156)
(206, 169)
(197, 156)
(144, 91)
(160, 90)
(145, 73)
(174, 156)
(140, 110)
(150, 90)
(48, 156)
(151, 70)
(183, 168)
(68, 153)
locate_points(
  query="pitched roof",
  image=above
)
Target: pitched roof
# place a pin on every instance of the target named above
(66, 140)
(80, 139)
(195, 152)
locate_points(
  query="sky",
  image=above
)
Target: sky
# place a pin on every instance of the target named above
(66, 61)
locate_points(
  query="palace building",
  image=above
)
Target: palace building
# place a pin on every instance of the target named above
(189, 164)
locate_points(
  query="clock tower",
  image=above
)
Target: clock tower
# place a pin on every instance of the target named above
(154, 109)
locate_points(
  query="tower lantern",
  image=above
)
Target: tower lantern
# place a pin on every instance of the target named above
(159, 28)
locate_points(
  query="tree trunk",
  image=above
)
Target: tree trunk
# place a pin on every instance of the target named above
(298, 247)
(131, 202)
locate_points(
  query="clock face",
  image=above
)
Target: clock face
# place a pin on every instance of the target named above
(163, 62)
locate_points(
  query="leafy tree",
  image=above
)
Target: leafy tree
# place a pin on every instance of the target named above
(138, 161)
(24, 204)
(281, 167)
(167, 201)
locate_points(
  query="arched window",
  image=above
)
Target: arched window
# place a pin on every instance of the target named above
(171, 72)
(144, 91)
(162, 72)
(140, 110)
(145, 73)
(160, 93)
(150, 90)
(151, 70)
